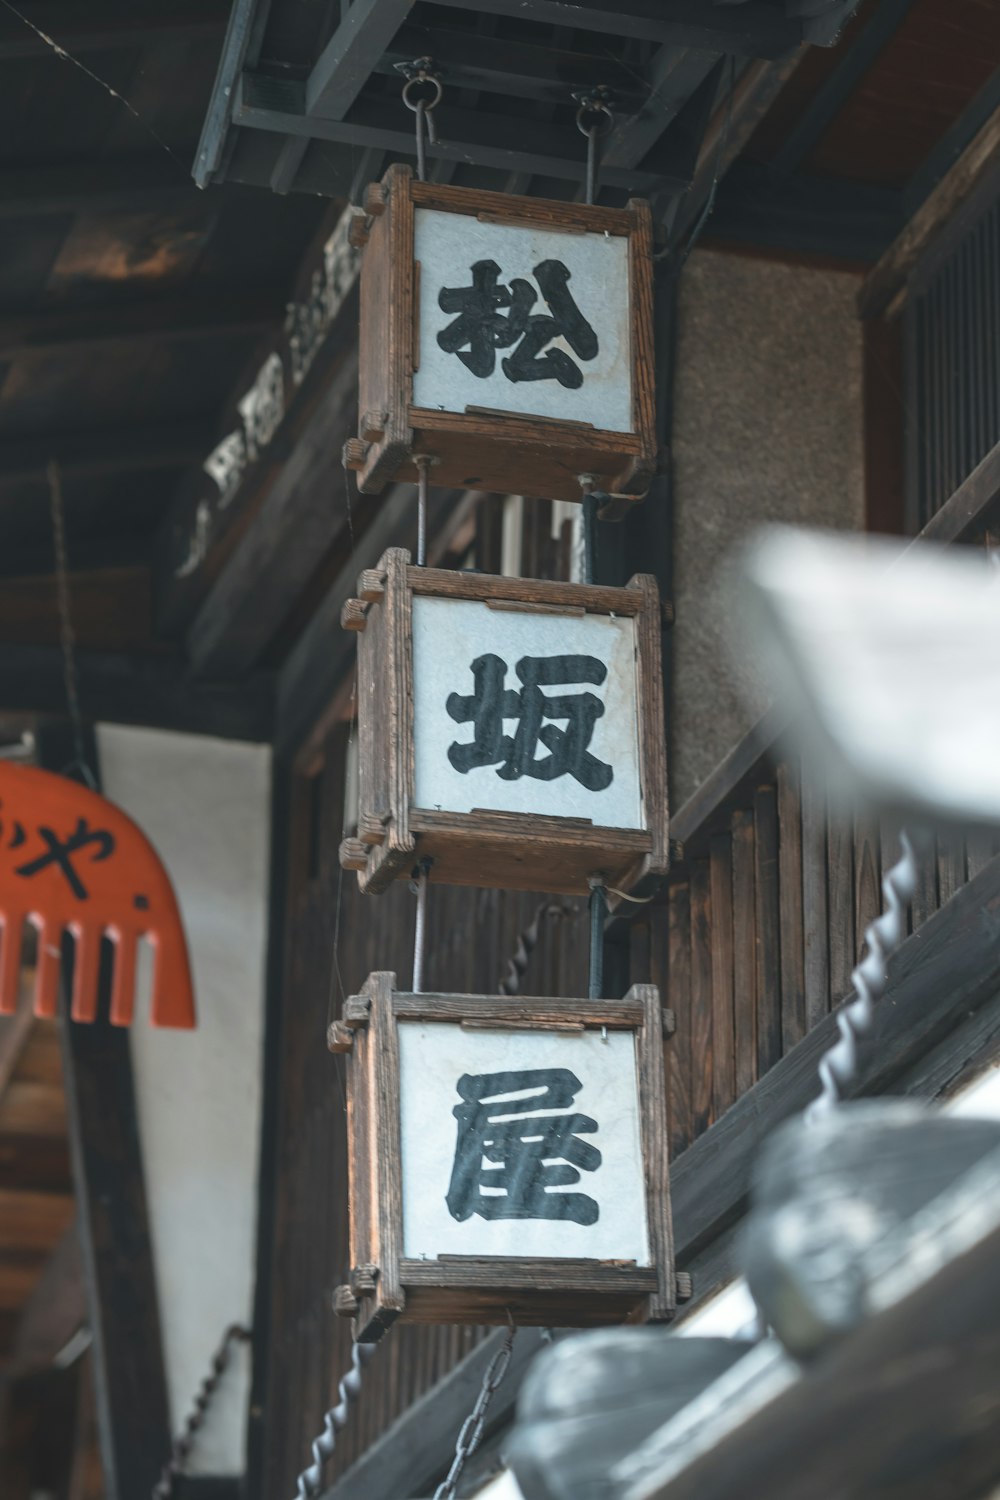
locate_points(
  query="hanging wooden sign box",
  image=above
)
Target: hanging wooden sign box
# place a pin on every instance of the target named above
(509, 339)
(509, 729)
(507, 1159)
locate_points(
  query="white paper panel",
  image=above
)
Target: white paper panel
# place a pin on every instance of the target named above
(434, 1057)
(449, 245)
(448, 636)
(205, 804)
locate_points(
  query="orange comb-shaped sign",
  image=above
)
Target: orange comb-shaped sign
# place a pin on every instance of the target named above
(72, 861)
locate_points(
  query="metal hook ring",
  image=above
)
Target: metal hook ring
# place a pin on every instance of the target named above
(429, 104)
(593, 107)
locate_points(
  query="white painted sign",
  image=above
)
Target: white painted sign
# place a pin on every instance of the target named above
(521, 1143)
(523, 712)
(523, 319)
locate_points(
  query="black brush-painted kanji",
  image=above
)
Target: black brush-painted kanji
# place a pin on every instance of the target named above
(511, 1152)
(493, 316)
(515, 755)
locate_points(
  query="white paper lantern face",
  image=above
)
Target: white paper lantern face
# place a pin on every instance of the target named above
(521, 1143)
(489, 685)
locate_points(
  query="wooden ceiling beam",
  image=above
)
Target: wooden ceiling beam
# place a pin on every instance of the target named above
(676, 74)
(118, 323)
(102, 28)
(352, 54)
(340, 72)
(834, 93)
(147, 691)
(751, 29)
(729, 130)
(521, 70)
(884, 290)
(131, 450)
(505, 142)
(95, 186)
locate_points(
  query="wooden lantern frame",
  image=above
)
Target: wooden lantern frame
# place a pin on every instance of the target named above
(482, 448)
(384, 1285)
(513, 851)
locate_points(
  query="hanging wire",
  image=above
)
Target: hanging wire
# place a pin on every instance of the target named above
(67, 637)
(838, 1067)
(423, 463)
(335, 1420)
(594, 119)
(419, 76)
(67, 56)
(471, 1432)
(720, 156)
(172, 1470)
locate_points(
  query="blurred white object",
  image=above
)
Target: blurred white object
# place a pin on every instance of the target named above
(888, 656)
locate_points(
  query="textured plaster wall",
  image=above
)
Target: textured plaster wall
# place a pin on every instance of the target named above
(767, 427)
(205, 805)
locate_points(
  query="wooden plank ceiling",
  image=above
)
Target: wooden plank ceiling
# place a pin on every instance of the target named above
(135, 310)
(130, 302)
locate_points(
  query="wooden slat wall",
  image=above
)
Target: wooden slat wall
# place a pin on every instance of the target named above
(754, 945)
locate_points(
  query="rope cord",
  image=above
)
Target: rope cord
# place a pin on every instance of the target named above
(184, 1442)
(335, 1420)
(838, 1066)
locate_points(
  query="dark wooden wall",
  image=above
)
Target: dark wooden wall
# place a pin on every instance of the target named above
(764, 920)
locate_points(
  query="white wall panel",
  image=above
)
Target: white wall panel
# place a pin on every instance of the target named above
(205, 805)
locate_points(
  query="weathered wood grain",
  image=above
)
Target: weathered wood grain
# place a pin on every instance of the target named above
(678, 942)
(815, 920)
(480, 448)
(744, 951)
(723, 991)
(702, 1057)
(491, 848)
(790, 906)
(767, 925)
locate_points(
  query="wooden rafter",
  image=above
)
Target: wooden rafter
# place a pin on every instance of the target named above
(830, 98)
(118, 451)
(884, 288)
(136, 690)
(172, 320)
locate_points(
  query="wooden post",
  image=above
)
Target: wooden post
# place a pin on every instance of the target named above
(131, 1392)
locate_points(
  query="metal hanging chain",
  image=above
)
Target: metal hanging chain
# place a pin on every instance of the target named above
(67, 638)
(838, 1066)
(419, 76)
(164, 1487)
(335, 1420)
(594, 119)
(527, 940)
(471, 1433)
